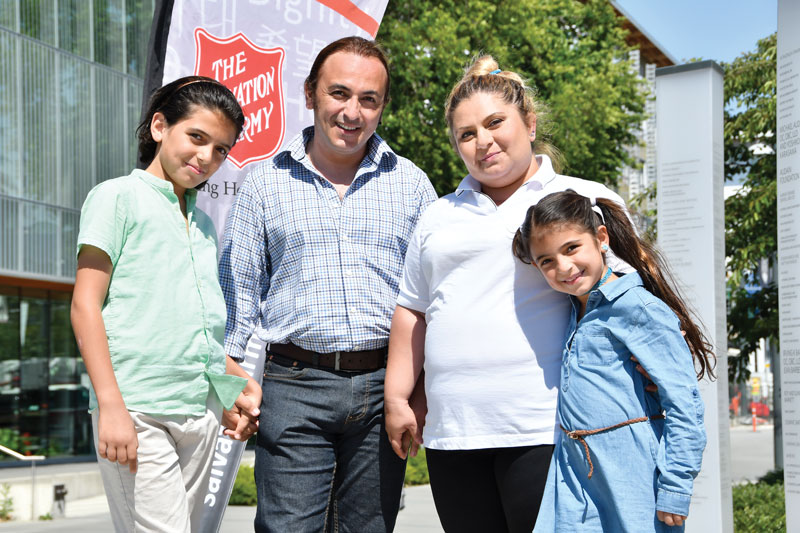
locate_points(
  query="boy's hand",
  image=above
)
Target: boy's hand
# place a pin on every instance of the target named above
(116, 436)
(671, 519)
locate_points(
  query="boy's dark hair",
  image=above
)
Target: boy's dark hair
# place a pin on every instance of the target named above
(568, 208)
(175, 101)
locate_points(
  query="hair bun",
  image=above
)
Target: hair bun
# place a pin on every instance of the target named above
(482, 66)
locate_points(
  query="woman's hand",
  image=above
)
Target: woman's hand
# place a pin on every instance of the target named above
(401, 427)
(116, 436)
(671, 519)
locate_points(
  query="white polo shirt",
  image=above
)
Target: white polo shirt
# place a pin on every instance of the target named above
(494, 327)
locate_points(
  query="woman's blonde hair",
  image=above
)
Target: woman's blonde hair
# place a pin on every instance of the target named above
(481, 76)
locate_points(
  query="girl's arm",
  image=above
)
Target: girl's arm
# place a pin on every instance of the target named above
(117, 439)
(406, 356)
(658, 344)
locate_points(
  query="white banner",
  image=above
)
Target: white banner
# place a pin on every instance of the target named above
(262, 50)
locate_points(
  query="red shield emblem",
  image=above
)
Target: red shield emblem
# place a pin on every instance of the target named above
(255, 75)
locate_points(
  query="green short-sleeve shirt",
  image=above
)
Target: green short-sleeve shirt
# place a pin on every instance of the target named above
(164, 312)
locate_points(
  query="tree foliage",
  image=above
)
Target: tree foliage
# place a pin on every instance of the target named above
(751, 214)
(572, 52)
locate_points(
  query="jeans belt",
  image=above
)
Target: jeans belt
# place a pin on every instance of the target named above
(360, 360)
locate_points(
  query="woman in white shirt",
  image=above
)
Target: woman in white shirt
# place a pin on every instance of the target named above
(486, 327)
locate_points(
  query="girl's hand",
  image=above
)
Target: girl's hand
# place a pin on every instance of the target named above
(401, 427)
(671, 519)
(116, 436)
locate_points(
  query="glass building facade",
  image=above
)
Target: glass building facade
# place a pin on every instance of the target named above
(71, 76)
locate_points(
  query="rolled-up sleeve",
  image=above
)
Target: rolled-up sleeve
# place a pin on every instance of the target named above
(243, 273)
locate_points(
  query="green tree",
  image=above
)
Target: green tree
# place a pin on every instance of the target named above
(751, 214)
(573, 53)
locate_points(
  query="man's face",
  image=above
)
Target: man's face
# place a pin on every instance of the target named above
(347, 104)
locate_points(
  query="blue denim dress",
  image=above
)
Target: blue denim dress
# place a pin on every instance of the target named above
(641, 467)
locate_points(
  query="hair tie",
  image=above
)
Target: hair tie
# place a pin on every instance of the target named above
(596, 208)
(496, 71)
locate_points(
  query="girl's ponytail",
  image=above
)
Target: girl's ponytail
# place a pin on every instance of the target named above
(656, 278)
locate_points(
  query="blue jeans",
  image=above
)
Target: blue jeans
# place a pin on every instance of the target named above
(323, 461)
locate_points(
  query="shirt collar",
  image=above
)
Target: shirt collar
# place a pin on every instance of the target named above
(541, 178)
(621, 285)
(377, 149)
(163, 186)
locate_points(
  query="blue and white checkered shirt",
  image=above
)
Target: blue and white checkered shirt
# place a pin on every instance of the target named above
(301, 265)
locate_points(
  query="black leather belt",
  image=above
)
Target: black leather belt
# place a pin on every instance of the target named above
(361, 360)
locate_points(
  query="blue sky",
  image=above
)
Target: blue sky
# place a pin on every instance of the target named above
(709, 29)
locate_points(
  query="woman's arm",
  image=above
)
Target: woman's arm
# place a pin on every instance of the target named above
(406, 357)
(117, 439)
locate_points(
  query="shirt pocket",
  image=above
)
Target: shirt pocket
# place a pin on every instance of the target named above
(598, 347)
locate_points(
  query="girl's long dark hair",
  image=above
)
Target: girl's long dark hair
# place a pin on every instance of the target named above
(571, 208)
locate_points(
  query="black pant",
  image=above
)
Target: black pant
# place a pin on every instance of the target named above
(488, 491)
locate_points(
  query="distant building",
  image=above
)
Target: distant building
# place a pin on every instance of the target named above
(647, 56)
(70, 97)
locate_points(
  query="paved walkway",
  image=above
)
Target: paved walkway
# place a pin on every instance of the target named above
(91, 516)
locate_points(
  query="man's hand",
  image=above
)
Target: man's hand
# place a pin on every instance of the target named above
(401, 427)
(419, 404)
(671, 519)
(241, 420)
(116, 436)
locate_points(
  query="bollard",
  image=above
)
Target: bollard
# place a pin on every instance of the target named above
(754, 418)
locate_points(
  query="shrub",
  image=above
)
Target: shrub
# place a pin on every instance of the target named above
(760, 507)
(244, 488)
(6, 503)
(417, 469)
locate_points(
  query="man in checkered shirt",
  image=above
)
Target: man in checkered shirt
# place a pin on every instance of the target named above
(311, 263)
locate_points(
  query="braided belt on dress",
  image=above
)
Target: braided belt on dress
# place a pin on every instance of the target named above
(579, 434)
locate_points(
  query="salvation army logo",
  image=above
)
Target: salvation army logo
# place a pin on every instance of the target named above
(255, 76)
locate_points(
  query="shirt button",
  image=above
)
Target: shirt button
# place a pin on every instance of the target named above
(345, 237)
(348, 273)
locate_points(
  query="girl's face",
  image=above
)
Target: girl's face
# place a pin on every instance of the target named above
(495, 144)
(569, 257)
(192, 149)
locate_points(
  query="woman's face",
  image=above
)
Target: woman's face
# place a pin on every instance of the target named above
(495, 144)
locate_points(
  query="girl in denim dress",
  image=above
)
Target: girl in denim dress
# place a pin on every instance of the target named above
(627, 459)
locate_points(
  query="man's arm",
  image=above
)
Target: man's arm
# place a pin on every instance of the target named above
(244, 280)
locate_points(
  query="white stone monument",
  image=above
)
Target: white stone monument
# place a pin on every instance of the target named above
(788, 146)
(691, 234)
